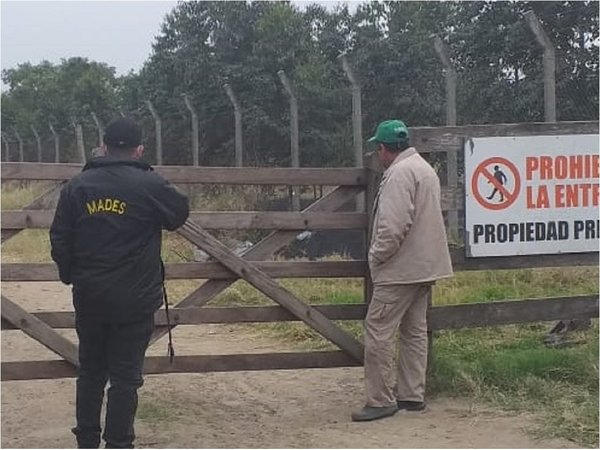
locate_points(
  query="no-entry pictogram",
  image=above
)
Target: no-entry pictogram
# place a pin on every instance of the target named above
(500, 197)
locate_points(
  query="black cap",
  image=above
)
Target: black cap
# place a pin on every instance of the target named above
(123, 133)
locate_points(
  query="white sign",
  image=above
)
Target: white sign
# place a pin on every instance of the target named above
(532, 195)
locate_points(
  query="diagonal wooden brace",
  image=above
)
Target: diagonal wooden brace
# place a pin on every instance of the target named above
(263, 250)
(257, 278)
(39, 330)
(42, 202)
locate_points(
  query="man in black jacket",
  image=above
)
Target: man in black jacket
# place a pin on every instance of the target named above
(106, 242)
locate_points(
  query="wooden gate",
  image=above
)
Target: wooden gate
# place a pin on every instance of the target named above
(256, 266)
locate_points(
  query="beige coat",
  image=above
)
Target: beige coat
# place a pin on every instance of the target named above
(408, 243)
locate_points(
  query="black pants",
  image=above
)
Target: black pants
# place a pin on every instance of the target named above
(115, 353)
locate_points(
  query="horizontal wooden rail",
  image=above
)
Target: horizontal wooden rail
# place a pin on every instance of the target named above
(12, 220)
(464, 315)
(470, 315)
(205, 175)
(443, 317)
(461, 262)
(451, 199)
(32, 370)
(208, 270)
(316, 269)
(243, 220)
(444, 139)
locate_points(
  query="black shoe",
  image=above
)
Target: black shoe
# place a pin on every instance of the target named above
(91, 441)
(373, 413)
(411, 406)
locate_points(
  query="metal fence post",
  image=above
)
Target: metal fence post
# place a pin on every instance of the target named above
(157, 132)
(99, 127)
(20, 141)
(237, 113)
(549, 66)
(38, 143)
(294, 134)
(6, 148)
(195, 142)
(79, 137)
(356, 124)
(56, 143)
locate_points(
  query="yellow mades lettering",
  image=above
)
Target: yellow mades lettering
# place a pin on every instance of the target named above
(91, 207)
(108, 205)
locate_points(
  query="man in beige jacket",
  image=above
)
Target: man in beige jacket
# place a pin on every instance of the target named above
(408, 253)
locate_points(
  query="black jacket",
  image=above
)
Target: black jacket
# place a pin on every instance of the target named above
(106, 237)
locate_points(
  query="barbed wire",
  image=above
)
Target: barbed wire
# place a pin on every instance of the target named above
(575, 101)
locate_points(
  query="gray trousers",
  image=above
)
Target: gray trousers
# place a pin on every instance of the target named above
(396, 306)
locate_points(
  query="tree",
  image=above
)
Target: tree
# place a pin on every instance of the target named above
(500, 63)
(43, 93)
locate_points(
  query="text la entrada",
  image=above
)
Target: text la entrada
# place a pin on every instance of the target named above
(562, 195)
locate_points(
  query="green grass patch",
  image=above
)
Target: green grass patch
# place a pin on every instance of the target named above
(511, 367)
(497, 285)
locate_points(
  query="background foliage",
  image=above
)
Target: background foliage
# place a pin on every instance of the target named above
(202, 45)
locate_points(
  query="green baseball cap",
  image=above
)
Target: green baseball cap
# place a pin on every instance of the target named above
(390, 132)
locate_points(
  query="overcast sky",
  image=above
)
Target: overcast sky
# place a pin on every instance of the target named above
(119, 33)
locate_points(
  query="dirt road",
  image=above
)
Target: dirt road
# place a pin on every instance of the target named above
(276, 409)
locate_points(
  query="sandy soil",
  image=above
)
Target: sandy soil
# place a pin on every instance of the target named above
(276, 409)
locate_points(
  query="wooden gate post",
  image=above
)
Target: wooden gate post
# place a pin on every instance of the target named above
(374, 169)
(452, 156)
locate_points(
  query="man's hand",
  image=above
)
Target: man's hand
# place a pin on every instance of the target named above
(98, 152)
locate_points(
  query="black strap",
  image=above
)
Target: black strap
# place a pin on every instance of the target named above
(170, 348)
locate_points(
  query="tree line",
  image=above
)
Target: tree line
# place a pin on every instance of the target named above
(203, 45)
